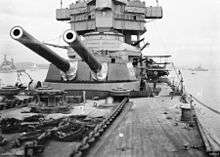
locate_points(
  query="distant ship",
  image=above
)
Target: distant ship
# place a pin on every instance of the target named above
(199, 68)
(7, 66)
(34, 67)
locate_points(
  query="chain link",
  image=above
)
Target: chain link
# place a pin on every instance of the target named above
(98, 130)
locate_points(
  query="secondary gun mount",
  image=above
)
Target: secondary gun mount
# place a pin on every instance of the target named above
(99, 70)
(19, 34)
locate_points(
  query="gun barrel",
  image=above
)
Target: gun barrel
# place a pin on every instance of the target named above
(74, 41)
(19, 34)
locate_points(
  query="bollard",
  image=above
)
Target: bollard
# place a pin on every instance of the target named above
(186, 113)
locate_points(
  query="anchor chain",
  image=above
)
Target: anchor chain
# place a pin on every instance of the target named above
(93, 136)
(15, 103)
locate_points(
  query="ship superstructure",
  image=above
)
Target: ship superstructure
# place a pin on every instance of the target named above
(7, 66)
(109, 26)
(101, 52)
(87, 108)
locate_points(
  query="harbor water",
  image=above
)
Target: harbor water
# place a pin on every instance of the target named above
(204, 85)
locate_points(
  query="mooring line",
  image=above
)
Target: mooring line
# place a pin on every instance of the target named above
(210, 108)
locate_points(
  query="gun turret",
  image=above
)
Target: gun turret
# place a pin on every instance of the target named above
(19, 34)
(74, 41)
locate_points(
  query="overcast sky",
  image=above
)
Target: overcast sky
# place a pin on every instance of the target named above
(189, 30)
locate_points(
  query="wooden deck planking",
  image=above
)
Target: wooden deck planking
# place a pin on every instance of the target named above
(148, 132)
